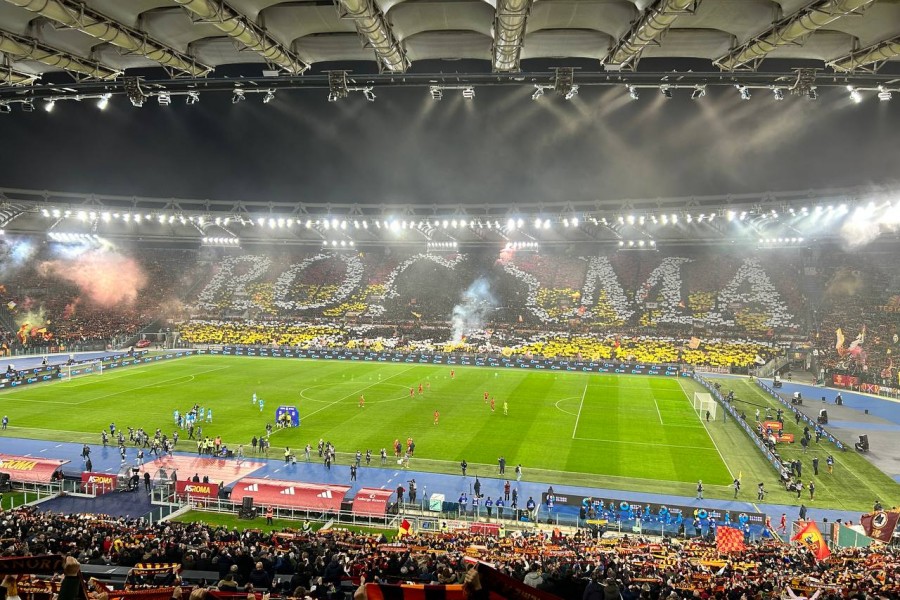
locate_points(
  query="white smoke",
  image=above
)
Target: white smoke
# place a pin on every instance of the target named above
(469, 315)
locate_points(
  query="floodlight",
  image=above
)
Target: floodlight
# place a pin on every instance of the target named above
(50, 105)
(103, 102)
(369, 94)
(633, 92)
(666, 91)
(270, 95)
(468, 93)
(778, 93)
(698, 93)
(238, 96)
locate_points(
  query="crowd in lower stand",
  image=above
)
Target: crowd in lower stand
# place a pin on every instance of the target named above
(294, 562)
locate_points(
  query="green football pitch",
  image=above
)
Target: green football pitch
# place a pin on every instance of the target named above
(615, 431)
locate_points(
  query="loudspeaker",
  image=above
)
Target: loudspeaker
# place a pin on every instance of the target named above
(247, 504)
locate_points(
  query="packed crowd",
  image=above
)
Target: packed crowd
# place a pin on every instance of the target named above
(293, 562)
(654, 303)
(431, 337)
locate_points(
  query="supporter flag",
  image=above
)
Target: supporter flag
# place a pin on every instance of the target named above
(405, 528)
(880, 524)
(11, 305)
(375, 591)
(23, 333)
(810, 536)
(847, 537)
(416, 315)
(729, 539)
(694, 343)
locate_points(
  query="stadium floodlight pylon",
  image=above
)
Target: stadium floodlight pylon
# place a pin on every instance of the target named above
(703, 402)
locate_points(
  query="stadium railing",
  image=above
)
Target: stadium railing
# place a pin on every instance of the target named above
(803, 416)
(729, 408)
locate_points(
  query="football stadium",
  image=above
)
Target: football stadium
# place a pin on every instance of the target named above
(433, 299)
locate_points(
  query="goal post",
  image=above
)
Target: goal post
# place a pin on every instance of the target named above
(704, 402)
(94, 367)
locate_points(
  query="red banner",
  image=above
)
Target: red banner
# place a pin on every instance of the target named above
(371, 502)
(845, 381)
(484, 529)
(773, 425)
(293, 494)
(204, 490)
(99, 483)
(880, 525)
(27, 469)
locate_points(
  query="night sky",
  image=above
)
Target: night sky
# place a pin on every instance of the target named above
(501, 147)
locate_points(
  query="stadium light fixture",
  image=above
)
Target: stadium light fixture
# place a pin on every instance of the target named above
(633, 92)
(221, 241)
(744, 91)
(468, 93)
(778, 93)
(5, 109)
(238, 96)
(666, 91)
(538, 92)
(49, 105)
(270, 95)
(521, 246)
(436, 92)
(28, 106)
(855, 96)
(812, 94)
(164, 98)
(884, 95)
(369, 93)
(192, 98)
(698, 92)
(103, 101)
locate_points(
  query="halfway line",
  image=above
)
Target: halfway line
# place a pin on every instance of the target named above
(578, 416)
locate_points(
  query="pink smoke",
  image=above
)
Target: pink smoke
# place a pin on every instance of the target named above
(70, 309)
(104, 277)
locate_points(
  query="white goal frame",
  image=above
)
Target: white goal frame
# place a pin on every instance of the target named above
(96, 369)
(703, 402)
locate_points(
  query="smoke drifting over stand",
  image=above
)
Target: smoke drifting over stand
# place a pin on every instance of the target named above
(470, 315)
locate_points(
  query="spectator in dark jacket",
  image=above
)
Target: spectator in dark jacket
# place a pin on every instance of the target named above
(260, 578)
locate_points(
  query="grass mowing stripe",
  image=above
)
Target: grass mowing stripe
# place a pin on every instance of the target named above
(357, 392)
(654, 444)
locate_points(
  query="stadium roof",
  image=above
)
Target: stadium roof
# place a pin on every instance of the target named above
(783, 219)
(101, 39)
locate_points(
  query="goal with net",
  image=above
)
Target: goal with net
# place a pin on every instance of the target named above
(704, 403)
(82, 369)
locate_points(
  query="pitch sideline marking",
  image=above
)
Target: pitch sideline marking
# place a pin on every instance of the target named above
(578, 416)
(715, 445)
(581, 439)
(154, 384)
